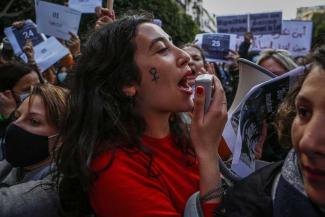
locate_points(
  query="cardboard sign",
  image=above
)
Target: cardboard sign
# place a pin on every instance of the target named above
(18, 37)
(295, 37)
(57, 20)
(260, 23)
(49, 52)
(85, 6)
(216, 46)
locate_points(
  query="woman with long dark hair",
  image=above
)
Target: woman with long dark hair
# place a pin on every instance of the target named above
(124, 144)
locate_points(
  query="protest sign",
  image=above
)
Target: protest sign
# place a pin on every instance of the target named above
(18, 37)
(57, 20)
(265, 23)
(232, 24)
(295, 37)
(49, 52)
(85, 6)
(216, 46)
(245, 124)
(260, 23)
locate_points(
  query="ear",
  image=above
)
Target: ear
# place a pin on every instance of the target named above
(129, 90)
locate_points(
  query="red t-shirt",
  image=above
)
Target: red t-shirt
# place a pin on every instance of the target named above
(127, 189)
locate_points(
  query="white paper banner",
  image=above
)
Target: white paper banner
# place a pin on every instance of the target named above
(295, 37)
(85, 6)
(18, 37)
(57, 20)
(49, 52)
(216, 46)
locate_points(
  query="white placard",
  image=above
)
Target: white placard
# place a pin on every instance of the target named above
(18, 37)
(49, 52)
(85, 6)
(245, 123)
(216, 46)
(259, 23)
(295, 37)
(57, 20)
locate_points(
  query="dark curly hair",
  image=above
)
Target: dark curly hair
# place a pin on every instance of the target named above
(287, 111)
(100, 117)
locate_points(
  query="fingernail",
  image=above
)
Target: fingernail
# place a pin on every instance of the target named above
(199, 90)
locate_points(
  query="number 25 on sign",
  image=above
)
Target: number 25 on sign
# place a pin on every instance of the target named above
(215, 43)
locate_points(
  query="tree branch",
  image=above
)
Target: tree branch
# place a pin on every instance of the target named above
(4, 11)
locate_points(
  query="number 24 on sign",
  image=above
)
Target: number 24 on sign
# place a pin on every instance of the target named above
(28, 34)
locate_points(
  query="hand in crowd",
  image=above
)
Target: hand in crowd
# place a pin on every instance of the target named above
(50, 76)
(248, 37)
(233, 57)
(29, 51)
(105, 16)
(206, 129)
(7, 103)
(73, 44)
(18, 24)
(210, 69)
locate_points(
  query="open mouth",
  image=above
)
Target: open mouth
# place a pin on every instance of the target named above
(314, 174)
(184, 86)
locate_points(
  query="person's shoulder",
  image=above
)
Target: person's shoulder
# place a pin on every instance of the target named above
(118, 159)
(261, 178)
(251, 196)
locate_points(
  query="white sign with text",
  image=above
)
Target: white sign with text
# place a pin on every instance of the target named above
(18, 36)
(85, 6)
(216, 46)
(57, 20)
(49, 52)
(295, 37)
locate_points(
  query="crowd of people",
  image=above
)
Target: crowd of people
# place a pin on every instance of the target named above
(118, 128)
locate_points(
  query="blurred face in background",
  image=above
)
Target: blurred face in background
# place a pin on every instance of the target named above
(22, 87)
(308, 137)
(196, 63)
(273, 66)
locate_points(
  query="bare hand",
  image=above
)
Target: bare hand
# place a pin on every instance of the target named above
(105, 16)
(210, 68)
(18, 24)
(74, 44)
(248, 37)
(206, 129)
(29, 50)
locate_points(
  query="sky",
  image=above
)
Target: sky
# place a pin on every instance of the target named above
(233, 7)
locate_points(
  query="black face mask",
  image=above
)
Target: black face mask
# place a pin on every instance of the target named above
(22, 148)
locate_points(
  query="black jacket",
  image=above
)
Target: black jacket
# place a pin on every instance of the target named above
(251, 197)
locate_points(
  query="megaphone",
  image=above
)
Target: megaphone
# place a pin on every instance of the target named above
(250, 74)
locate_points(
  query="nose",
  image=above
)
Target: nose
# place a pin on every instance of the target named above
(183, 58)
(313, 138)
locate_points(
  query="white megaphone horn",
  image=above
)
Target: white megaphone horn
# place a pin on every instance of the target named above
(250, 74)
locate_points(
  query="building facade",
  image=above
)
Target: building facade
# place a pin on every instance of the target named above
(306, 13)
(200, 15)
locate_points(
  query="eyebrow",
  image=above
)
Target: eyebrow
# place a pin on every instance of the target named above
(301, 98)
(35, 114)
(154, 41)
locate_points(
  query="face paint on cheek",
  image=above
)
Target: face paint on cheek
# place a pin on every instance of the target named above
(153, 72)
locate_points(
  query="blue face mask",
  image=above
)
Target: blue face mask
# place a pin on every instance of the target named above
(61, 76)
(23, 96)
